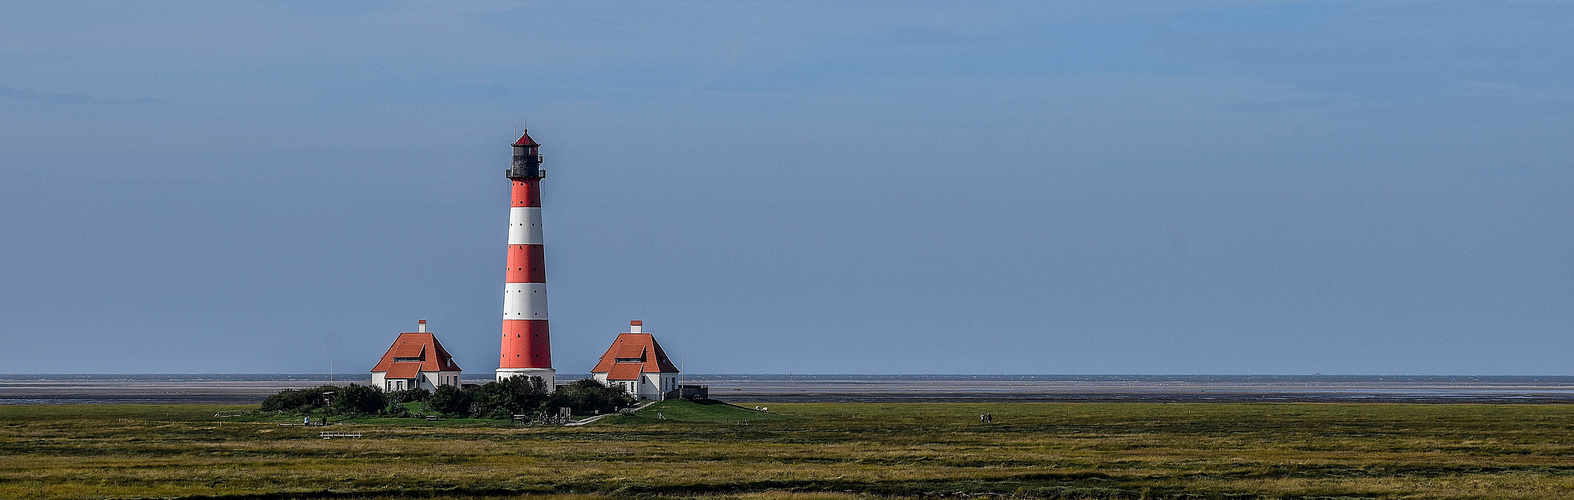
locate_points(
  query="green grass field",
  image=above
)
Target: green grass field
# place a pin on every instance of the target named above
(679, 411)
(808, 452)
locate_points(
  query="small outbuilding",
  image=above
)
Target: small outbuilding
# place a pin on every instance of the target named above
(636, 363)
(415, 360)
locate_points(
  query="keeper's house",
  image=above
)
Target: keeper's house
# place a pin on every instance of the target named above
(636, 363)
(415, 360)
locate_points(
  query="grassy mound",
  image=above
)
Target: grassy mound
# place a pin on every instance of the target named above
(704, 411)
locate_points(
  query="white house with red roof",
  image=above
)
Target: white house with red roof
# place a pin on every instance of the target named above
(636, 363)
(415, 360)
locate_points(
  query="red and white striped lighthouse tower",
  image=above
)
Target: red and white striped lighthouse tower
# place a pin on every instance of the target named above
(527, 348)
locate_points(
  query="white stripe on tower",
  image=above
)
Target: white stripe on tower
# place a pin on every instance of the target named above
(525, 301)
(524, 226)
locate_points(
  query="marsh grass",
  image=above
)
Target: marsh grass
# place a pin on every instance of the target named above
(815, 452)
(704, 411)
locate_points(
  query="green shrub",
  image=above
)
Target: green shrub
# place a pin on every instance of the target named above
(302, 400)
(409, 395)
(586, 396)
(510, 396)
(358, 400)
(495, 400)
(450, 401)
(397, 410)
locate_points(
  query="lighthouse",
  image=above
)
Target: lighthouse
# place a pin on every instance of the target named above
(527, 347)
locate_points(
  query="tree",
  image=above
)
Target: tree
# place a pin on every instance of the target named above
(510, 396)
(449, 400)
(303, 400)
(587, 395)
(358, 400)
(409, 395)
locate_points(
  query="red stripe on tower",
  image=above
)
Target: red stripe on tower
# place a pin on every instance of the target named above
(526, 347)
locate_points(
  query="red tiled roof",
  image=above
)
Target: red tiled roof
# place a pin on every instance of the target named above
(430, 355)
(625, 371)
(525, 140)
(408, 350)
(654, 359)
(631, 351)
(405, 370)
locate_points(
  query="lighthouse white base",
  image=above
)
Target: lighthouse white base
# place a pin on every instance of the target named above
(547, 374)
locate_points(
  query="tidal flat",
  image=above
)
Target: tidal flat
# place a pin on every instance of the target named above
(806, 451)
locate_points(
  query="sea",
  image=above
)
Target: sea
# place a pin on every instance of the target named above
(1424, 389)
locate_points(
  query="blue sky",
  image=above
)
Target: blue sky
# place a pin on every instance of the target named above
(1038, 187)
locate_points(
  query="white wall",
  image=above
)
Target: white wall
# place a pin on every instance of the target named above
(649, 386)
(426, 380)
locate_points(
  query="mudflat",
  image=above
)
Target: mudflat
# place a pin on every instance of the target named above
(250, 389)
(802, 450)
